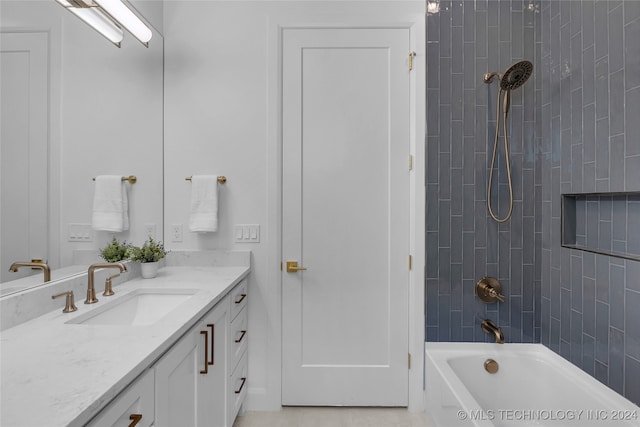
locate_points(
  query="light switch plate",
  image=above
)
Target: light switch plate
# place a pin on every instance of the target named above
(79, 233)
(246, 233)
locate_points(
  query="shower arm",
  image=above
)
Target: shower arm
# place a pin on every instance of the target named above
(488, 77)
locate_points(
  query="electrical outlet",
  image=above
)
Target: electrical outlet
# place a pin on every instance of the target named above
(176, 233)
(150, 230)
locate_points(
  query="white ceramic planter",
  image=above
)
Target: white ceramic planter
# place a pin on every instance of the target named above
(149, 270)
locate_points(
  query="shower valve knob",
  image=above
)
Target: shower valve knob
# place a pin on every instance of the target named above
(489, 290)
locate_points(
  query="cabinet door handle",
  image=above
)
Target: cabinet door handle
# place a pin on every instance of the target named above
(242, 297)
(206, 352)
(244, 379)
(242, 334)
(135, 419)
(213, 338)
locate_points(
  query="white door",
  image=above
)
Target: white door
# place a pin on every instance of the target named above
(23, 150)
(345, 216)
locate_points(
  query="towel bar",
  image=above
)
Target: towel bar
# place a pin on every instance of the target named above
(131, 178)
(221, 179)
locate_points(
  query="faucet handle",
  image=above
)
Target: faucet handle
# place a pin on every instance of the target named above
(70, 305)
(108, 287)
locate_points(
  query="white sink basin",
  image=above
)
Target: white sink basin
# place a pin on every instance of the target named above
(140, 307)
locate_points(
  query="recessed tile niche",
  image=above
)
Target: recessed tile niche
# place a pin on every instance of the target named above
(604, 223)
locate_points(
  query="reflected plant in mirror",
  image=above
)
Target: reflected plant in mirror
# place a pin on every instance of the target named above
(115, 251)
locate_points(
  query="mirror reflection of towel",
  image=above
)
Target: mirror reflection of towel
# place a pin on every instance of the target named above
(204, 203)
(110, 204)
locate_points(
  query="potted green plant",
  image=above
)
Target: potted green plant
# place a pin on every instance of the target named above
(148, 255)
(115, 251)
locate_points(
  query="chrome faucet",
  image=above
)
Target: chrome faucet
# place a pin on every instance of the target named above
(91, 291)
(491, 328)
(33, 264)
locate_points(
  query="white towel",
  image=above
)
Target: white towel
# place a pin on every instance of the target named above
(204, 203)
(110, 204)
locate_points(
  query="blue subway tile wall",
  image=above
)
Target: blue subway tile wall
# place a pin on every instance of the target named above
(591, 132)
(466, 39)
(574, 128)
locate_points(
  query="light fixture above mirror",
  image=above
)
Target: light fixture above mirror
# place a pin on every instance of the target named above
(108, 17)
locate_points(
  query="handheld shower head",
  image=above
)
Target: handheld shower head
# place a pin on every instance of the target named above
(516, 75)
(513, 78)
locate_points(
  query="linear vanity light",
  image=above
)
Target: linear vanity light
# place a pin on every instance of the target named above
(96, 19)
(107, 17)
(125, 17)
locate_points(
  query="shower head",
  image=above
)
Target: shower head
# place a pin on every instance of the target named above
(516, 75)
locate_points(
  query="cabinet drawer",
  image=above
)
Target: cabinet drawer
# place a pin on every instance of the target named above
(238, 338)
(136, 402)
(239, 298)
(237, 387)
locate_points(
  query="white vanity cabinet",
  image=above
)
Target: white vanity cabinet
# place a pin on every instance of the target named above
(237, 385)
(199, 381)
(191, 376)
(133, 407)
(212, 376)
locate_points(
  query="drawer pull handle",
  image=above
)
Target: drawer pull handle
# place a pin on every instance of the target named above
(243, 379)
(242, 334)
(135, 419)
(213, 337)
(206, 352)
(242, 297)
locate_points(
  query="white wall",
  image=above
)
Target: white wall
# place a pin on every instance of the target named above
(221, 117)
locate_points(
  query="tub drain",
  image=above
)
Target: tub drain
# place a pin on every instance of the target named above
(491, 366)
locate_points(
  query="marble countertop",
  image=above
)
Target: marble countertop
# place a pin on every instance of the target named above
(59, 374)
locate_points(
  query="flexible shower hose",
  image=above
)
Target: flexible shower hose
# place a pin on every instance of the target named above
(506, 155)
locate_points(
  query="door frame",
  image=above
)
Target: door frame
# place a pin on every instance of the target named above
(269, 398)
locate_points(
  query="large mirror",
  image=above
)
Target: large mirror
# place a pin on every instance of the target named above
(74, 106)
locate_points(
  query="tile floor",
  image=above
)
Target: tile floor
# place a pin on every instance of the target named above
(333, 417)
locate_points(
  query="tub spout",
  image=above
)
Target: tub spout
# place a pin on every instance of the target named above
(492, 329)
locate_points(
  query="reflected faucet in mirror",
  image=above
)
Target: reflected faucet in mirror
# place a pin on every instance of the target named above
(91, 291)
(33, 264)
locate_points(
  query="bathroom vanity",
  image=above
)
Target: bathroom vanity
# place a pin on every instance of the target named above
(165, 351)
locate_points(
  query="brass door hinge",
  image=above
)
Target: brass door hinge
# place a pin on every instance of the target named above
(409, 360)
(280, 265)
(412, 54)
(410, 163)
(410, 262)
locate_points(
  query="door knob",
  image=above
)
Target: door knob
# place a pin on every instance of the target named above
(292, 267)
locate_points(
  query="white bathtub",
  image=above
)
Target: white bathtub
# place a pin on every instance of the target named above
(533, 387)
